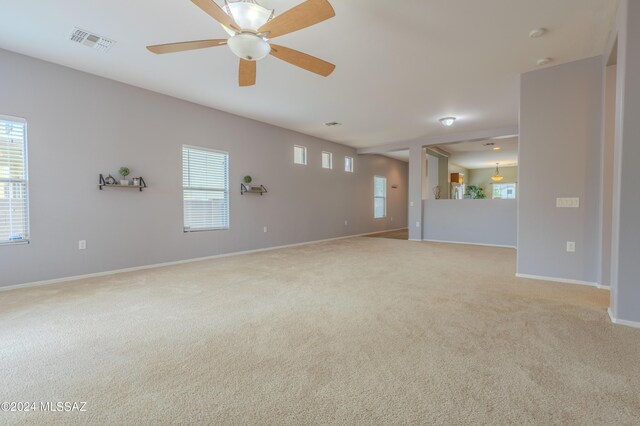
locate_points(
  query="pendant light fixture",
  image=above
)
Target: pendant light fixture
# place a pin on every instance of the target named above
(497, 177)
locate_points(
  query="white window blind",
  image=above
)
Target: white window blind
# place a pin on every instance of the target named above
(299, 154)
(379, 197)
(327, 160)
(348, 164)
(205, 188)
(14, 186)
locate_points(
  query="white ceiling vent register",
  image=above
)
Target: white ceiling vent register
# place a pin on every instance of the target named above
(88, 39)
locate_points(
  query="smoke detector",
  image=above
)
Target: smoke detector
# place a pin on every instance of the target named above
(94, 41)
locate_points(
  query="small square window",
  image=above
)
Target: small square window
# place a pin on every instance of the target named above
(348, 164)
(327, 160)
(300, 155)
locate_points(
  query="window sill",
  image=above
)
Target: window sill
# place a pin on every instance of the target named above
(15, 243)
(188, 231)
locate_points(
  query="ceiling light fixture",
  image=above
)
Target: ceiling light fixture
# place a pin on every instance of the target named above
(447, 121)
(497, 177)
(249, 16)
(544, 61)
(496, 148)
(538, 32)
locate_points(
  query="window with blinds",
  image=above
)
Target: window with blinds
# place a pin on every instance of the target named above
(205, 189)
(14, 186)
(379, 197)
(327, 160)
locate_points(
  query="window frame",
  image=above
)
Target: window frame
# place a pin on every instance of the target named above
(330, 156)
(24, 181)
(304, 155)
(384, 214)
(226, 191)
(350, 161)
(515, 190)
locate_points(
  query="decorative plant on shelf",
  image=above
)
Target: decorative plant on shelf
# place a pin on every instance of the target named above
(476, 192)
(124, 172)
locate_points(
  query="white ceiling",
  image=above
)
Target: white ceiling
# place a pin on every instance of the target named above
(400, 65)
(475, 155)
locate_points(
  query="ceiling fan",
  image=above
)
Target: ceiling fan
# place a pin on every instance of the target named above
(251, 28)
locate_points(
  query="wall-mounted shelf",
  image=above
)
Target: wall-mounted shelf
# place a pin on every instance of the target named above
(252, 189)
(103, 184)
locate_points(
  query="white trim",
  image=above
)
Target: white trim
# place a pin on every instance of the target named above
(560, 280)
(414, 239)
(179, 262)
(469, 244)
(634, 324)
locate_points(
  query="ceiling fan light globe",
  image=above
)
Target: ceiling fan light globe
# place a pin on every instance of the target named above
(249, 47)
(248, 16)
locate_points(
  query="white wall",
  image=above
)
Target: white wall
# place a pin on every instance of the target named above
(490, 222)
(80, 125)
(433, 175)
(559, 156)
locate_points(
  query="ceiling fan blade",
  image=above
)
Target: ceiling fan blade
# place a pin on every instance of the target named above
(302, 60)
(185, 45)
(247, 74)
(302, 16)
(216, 12)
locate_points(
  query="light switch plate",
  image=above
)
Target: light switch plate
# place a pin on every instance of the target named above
(571, 246)
(568, 202)
(82, 244)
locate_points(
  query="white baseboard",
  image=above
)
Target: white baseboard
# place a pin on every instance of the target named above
(634, 324)
(179, 262)
(561, 280)
(469, 244)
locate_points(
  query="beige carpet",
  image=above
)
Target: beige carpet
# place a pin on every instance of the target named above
(399, 234)
(359, 331)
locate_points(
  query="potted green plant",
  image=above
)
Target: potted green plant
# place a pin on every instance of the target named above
(247, 179)
(124, 172)
(476, 192)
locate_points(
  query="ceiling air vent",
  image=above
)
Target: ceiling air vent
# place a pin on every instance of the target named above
(332, 123)
(88, 39)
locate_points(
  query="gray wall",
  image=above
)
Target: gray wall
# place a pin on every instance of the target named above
(80, 125)
(489, 222)
(560, 140)
(625, 285)
(607, 172)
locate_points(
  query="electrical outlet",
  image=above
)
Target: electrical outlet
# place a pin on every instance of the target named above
(571, 246)
(411, 204)
(82, 245)
(346, 222)
(391, 218)
(417, 224)
(265, 229)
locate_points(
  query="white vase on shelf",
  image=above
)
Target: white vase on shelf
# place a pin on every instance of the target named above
(124, 182)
